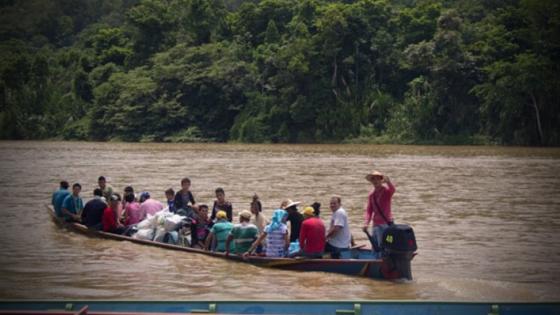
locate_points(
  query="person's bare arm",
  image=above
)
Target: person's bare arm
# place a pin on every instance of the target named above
(286, 242)
(228, 241)
(255, 244)
(334, 230)
(209, 241)
(74, 216)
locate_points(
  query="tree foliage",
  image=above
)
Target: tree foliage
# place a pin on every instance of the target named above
(418, 71)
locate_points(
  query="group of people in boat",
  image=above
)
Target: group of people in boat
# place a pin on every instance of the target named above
(213, 229)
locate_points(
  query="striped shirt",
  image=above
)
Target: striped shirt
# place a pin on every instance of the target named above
(275, 241)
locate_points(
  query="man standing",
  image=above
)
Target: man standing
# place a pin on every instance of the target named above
(311, 235)
(379, 205)
(338, 237)
(73, 204)
(58, 197)
(294, 217)
(93, 211)
(106, 189)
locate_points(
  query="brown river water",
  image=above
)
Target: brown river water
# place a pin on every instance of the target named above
(487, 220)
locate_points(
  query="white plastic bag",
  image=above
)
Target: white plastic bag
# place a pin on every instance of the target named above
(172, 222)
(160, 233)
(149, 223)
(144, 234)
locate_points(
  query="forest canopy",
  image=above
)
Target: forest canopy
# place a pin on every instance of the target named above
(287, 71)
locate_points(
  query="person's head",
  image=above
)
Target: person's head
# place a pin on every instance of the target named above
(376, 178)
(185, 184)
(97, 192)
(203, 211)
(102, 182)
(76, 188)
(144, 196)
(335, 203)
(279, 216)
(115, 200)
(220, 194)
(289, 205)
(245, 216)
(129, 197)
(221, 215)
(317, 208)
(128, 190)
(64, 184)
(308, 212)
(169, 194)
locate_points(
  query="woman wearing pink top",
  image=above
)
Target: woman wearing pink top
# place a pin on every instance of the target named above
(379, 205)
(132, 211)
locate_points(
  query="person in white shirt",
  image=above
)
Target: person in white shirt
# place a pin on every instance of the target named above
(338, 236)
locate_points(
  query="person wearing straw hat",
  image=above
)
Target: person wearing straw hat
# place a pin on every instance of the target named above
(243, 234)
(294, 217)
(379, 205)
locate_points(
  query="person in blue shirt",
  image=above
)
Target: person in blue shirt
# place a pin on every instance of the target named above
(73, 205)
(58, 197)
(170, 195)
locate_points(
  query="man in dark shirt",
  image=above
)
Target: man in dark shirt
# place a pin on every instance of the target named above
(294, 217)
(93, 211)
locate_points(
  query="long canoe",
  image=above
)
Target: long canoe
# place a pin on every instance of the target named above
(354, 262)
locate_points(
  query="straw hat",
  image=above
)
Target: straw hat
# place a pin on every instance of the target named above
(373, 174)
(289, 203)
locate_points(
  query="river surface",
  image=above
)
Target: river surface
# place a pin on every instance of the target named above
(487, 220)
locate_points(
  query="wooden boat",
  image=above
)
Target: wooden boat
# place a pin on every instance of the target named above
(356, 261)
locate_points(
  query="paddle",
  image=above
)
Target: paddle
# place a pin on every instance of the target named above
(373, 241)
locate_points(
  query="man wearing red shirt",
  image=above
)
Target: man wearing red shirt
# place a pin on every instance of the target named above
(311, 235)
(379, 205)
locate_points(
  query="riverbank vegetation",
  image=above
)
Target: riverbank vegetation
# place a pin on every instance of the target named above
(305, 71)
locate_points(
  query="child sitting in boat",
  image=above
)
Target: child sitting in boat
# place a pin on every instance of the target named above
(170, 196)
(184, 199)
(200, 227)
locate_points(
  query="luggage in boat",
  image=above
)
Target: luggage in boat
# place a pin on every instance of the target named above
(144, 234)
(400, 238)
(172, 223)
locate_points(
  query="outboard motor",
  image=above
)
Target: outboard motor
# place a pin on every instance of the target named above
(399, 245)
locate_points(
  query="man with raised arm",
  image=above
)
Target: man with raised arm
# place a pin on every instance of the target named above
(379, 205)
